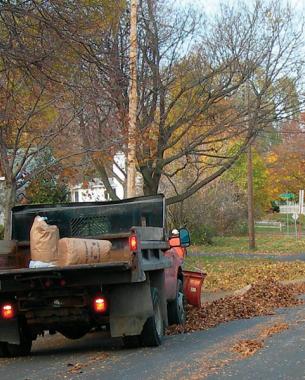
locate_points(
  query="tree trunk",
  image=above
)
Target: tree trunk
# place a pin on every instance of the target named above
(99, 166)
(133, 101)
(150, 182)
(250, 201)
(9, 203)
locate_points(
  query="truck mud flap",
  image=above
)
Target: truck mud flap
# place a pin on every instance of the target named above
(9, 332)
(131, 305)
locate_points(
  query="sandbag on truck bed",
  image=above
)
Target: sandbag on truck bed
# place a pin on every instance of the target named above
(73, 251)
(44, 241)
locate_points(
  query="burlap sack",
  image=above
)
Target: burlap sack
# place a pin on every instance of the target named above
(44, 241)
(73, 251)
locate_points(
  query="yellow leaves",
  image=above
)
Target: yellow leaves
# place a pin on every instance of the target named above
(286, 161)
(271, 158)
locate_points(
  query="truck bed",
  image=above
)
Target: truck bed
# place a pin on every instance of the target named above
(14, 280)
(120, 266)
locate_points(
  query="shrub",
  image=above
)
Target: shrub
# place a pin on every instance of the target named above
(240, 229)
(1, 232)
(202, 235)
(221, 208)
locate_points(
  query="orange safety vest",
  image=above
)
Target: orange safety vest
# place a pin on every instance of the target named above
(175, 244)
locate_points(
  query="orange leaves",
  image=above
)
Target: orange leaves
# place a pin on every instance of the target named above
(286, 161)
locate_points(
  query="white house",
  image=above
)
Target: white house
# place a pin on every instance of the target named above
(94, 190)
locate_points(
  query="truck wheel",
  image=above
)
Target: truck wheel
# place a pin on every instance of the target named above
(176, 309)
(132, 341)
(153, 330)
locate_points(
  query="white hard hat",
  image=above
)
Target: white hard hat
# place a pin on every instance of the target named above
(175, 231)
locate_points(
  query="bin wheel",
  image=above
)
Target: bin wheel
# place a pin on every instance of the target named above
(153, 330)
(176, 309)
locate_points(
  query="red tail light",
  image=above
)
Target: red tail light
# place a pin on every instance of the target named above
(100, 305)
(133, 243)
(7, 311)
(48, 283)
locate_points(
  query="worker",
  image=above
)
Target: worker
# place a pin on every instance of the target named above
(174, 242)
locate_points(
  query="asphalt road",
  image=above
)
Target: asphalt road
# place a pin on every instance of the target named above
(200, 355)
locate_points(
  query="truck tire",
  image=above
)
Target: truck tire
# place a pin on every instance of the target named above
(176, 309)
(153, 330)
(132, 341)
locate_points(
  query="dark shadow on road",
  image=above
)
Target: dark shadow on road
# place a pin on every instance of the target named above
(59, 345)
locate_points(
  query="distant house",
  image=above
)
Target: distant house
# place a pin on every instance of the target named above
(94, 189)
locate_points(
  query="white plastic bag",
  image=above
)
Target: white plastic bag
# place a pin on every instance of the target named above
(40, 264)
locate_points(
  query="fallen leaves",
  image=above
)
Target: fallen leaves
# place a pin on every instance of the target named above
(275, 329)
(77, 368)
(261, 299)
(231, 273)
(247, 347)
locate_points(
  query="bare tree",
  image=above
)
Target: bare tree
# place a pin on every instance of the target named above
(191, 106)
(34, 111)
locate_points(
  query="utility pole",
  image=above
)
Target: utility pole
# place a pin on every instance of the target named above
(250, 192)
(250, 199)
(133, 101)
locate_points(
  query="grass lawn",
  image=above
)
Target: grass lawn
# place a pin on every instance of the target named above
(230, 273)
(271, 243)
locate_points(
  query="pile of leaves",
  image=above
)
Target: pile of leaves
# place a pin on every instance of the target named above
(261, 299)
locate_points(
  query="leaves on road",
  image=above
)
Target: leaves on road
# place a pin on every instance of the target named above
(77, 368)
(261, 299)
(247, 347)
(274, 329)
